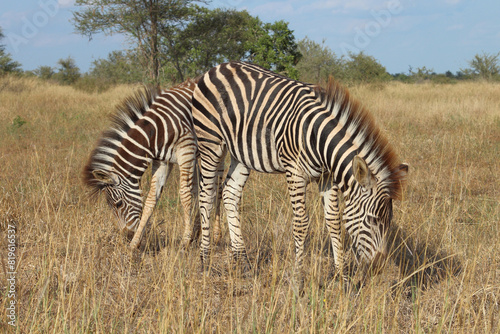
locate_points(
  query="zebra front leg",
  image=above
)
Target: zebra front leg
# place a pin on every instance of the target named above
(297, 185)
(233, 188)
(160, 171)
(333, 224)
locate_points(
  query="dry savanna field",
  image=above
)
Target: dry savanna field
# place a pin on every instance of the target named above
(75, 273)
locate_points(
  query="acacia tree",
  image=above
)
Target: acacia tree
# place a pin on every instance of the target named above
(68, 73)
(181, 37)
(486, 66)
(318, 62)
(44, 72)
(142, 21)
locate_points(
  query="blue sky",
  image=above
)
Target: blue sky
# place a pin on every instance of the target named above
(438, 34)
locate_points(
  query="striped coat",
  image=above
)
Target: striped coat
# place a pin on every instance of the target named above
(152, 127)
(273, 124)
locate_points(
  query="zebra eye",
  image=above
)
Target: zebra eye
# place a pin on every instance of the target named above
(119, 204)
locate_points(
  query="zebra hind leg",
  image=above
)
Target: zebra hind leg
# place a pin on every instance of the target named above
(235, 181)
(217, 232)
(188, 191)
(210, 158)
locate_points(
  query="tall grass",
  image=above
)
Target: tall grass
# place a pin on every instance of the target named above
(75, 273)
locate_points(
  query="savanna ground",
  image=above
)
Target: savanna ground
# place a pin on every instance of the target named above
(75, 273)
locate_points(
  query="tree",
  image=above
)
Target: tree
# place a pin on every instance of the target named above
(216, 36)
(213, 37)
(362, 68)
(7, 65)
(68, 73)
(144, 22)
(421, 73)
(318, 62)
(274, 48)
(44, 72)
(119, 67)
(486, 66)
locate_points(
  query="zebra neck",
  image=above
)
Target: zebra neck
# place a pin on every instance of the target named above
(132, 157)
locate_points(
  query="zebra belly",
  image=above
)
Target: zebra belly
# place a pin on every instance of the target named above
(260, 164)
(256, 152)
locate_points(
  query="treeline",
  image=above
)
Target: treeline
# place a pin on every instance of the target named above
(175, 39)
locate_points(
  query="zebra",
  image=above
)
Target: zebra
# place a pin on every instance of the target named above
(272, 124)
(153, 126)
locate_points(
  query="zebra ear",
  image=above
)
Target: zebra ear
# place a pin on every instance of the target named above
(104, 177)
(362, 173)
(403, 170)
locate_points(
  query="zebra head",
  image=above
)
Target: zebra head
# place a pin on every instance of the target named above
(122, 195)
(368, 211)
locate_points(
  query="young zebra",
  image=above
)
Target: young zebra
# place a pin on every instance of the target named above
(152, 126)
(273, 124)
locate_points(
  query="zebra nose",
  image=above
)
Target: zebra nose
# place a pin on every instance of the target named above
(128, 232)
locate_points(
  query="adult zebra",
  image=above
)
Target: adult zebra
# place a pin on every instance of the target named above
(273, 124)
(152, 126)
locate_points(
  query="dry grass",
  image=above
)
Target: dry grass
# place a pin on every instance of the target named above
(75, 273)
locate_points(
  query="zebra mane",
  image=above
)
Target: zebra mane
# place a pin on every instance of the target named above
(127, 113)
(373, 145)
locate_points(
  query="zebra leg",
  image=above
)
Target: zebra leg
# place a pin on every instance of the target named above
(160, 172)
(236, 178)
(210, 158)
(188, 191)
(297, 185)
(333, 224)
(217, 232)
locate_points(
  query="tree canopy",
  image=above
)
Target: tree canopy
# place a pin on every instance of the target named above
(7, 64)
(144, 22)
(178, 38)
(68, 73)
(275, 48)
(119, 67)
(318, 62)
(485, 66)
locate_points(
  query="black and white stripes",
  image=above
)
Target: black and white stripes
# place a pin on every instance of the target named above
(272, 124)
(152, 126)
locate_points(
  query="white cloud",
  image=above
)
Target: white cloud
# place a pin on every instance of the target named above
(280, 8)
(11, 19)
(65, 3)
(339, 5)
